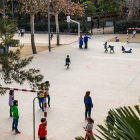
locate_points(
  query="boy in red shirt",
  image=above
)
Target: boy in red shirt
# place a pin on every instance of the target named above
(42, 129)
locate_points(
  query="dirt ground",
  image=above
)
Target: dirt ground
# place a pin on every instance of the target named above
(123, 38)
(27, 50)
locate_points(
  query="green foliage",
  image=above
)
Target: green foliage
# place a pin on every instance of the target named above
(127, 125)
(111, 6)
(63, 27)
(11, 65)
(122, 26)
(91, 7)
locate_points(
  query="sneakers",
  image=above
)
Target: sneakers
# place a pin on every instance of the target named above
(17, 132)
(49, 105)
(13, 129)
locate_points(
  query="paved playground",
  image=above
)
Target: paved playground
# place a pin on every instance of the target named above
(113, 80)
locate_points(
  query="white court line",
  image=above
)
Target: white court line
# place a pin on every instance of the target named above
(115, 58)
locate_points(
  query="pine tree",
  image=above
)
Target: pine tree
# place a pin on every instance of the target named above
(12, 67)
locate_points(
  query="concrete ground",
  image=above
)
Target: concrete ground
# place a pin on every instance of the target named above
(113, 80)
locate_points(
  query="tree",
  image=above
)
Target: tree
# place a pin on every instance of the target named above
(57, 6)
(91, 8)
(12, 67)
(33, 7)
(134, 10)
(111, 6)
(127, 124)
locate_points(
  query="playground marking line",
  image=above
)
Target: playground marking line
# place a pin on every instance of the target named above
(132, 80)
(82, 98)
(19, 135)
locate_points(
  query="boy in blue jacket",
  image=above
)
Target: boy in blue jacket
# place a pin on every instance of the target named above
(86, 40)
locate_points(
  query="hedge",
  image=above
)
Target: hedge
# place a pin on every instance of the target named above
(123, 25)
(63, 27)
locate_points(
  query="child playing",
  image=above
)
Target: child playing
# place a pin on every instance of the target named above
(42, 129)
(130, 51)
(47, 84)
(15, 117)
(105, 46)
(123, 49)
(134, 32)
(89, 128)
(117, 39)
(67, 61)
(11, 100)
(41, 97)
(51, 36)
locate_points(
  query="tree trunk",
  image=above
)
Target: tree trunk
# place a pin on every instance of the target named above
(134, 10)
(32, 33)
(57, 28)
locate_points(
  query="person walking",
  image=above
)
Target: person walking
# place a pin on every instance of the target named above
(41, 97)
(18, 31)
(51, 36)
(111, 120)
(42, 129)
(11, 100)
(47, 85)
(89, 128)
(88, 104)
(15, 117)
(80, 41)
(86, 41)
(134, 33)
(68, 62)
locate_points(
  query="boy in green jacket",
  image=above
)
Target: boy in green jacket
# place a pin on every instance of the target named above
(15, 117)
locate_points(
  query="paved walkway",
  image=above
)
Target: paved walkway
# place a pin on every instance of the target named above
(113, 80)
(43, 39)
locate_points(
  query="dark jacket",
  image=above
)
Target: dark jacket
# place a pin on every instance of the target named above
(68, 59)
(88, 101)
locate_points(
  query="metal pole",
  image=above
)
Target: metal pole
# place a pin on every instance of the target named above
(45, 110)
(34, 118)
(4, 22)
(12, 11)
(86, 21)
(49, 26)
(68, 22)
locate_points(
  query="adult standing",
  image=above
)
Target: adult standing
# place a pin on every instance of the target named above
(88, 104)
(15, 117)
(80, 41)
(86, 41)
(11, 100)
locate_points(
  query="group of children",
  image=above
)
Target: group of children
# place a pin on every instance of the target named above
(14, 111)
(21, 31)
(15, 114)
(43, 87)
(123, 49)
(85, 39)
